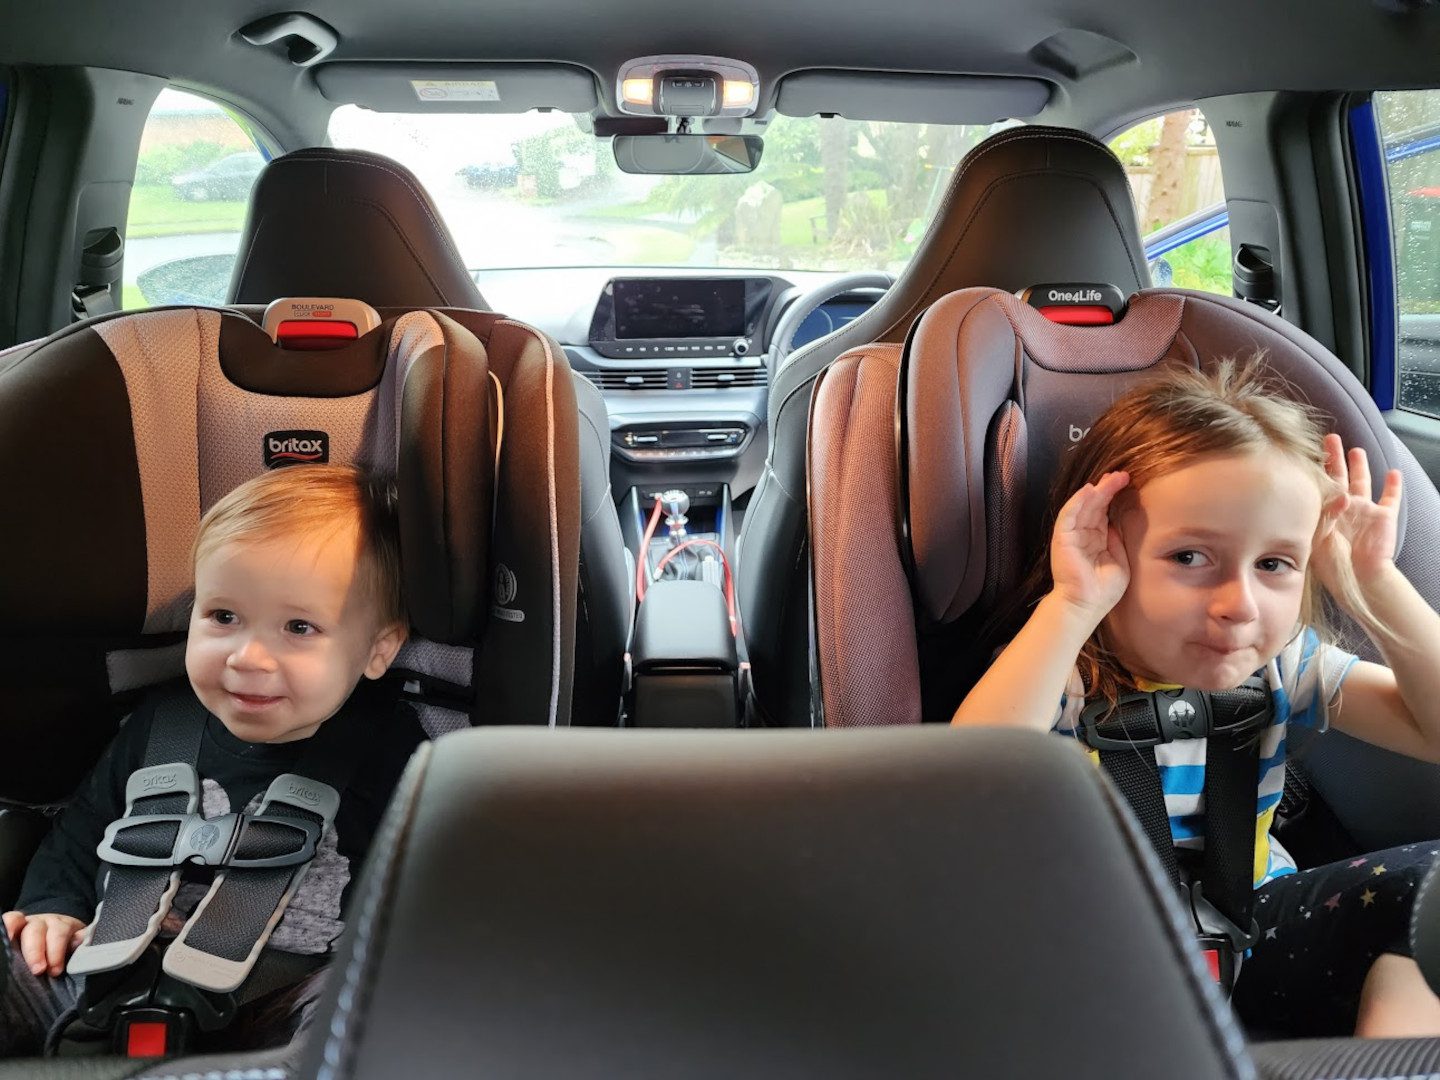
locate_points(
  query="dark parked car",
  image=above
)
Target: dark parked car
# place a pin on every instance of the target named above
(489, 175)
(230, 177)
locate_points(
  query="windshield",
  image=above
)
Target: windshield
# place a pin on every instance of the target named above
(533, 189)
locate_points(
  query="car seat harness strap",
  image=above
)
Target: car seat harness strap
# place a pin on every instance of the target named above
(1217, 883)
(258, 858)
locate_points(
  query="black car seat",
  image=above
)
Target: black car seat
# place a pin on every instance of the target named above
(118, 433)
(690, 904)
(326, 222)
(1027, 205)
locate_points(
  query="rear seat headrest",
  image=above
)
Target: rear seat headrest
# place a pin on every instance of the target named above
(991, 395)
(132, 427)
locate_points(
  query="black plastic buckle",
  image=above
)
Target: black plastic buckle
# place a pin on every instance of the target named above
(210, 841)
(151, 1031)
(1173, 714)
(1220, 937)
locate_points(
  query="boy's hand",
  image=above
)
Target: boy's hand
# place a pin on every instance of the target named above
(1361, 531)
(45, 940)
(1087, 559)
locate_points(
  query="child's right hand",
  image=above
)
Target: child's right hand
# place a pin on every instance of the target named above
(46, 941)
(1087, 559)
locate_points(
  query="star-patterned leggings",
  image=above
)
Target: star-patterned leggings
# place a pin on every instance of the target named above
(1320, 932)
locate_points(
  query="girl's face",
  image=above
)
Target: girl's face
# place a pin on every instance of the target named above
(1217, 552)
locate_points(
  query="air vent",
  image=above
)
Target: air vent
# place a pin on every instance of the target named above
(628, 379)
(720, 379)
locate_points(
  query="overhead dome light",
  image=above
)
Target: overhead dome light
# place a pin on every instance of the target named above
(642, 91)
(682, 85)
(738, 94)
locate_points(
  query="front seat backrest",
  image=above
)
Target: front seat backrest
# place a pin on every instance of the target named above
(1027, 205)
(689, 904)
(327, 222)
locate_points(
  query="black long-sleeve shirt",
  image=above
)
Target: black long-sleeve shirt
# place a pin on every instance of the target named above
(63, 876)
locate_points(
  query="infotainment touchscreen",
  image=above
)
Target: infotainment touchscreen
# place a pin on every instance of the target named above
(679, 308)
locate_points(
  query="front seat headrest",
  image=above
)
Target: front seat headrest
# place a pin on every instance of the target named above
(326, 222)
(1028, 204)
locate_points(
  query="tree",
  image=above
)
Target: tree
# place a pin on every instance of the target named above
(1167, 186)
(834, 161)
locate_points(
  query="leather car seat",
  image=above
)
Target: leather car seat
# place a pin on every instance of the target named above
(693, 904)
(1027, 205)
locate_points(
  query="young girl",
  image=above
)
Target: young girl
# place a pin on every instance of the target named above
(1205, 514)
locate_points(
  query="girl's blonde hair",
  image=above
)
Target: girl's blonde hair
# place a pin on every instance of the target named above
(1167, 423)
(303, 500)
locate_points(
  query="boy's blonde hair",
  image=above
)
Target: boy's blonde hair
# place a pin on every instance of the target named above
(1172, 421)
(304, 500)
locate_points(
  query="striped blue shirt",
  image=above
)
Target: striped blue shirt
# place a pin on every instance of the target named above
(1305, 682)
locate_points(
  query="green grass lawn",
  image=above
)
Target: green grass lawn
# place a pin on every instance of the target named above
(155, 211)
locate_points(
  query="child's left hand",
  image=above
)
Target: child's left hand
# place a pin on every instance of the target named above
(1359, 531)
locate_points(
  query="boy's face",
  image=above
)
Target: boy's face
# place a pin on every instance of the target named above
(1218, 552)
(281, 632)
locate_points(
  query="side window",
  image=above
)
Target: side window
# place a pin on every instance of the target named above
(1174, 170)
(192, 181)
(1409, 124)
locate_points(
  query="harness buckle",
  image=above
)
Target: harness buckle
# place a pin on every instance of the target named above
(216, 842)
(1223, 943)
(152, 1031)
(1143, 719)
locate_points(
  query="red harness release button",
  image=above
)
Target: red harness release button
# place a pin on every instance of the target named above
(146, 1038)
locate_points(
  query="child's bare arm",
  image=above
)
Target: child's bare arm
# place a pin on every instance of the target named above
(45, 941)
(1023, 687)
(1395, 706)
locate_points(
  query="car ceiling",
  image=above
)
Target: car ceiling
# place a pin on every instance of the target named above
(1180, 52)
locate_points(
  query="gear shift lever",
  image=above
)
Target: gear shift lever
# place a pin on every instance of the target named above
(676, 502)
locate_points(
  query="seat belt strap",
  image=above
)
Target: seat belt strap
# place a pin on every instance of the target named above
(1232, 776)
(1137, 775)
(134, 900)
(1125, 736)
(224, 937)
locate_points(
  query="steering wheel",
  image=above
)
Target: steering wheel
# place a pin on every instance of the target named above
(782, 341)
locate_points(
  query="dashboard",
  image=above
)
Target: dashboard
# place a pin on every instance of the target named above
(680, 357)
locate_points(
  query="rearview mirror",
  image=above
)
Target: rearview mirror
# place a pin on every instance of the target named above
(688, 154)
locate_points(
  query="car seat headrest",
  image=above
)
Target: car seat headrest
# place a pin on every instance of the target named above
(347, 223)
(992, 395)
(161, 413)
(1027, 204)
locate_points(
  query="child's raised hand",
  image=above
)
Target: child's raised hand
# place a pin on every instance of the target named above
(46, 941)
(1360, 532)
(1087, 559)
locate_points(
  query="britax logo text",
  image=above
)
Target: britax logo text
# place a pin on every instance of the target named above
(295, 448)
(1078, 296)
